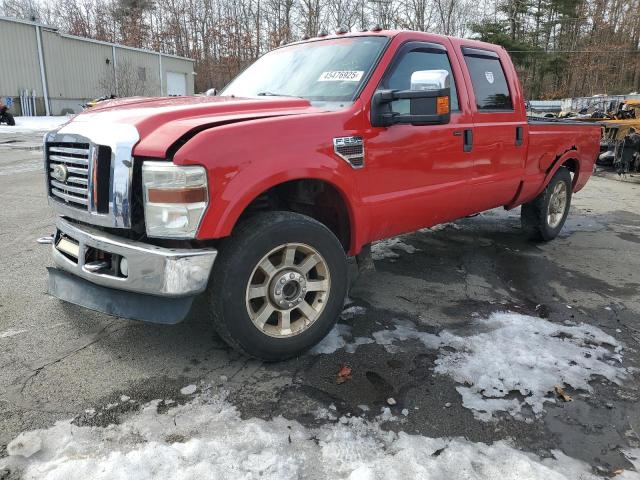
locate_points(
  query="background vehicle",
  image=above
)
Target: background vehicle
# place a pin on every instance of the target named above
(5, 116)
(616, 130)
(262, 198)
(95, 101)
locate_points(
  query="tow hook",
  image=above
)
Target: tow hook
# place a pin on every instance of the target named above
(48, 240)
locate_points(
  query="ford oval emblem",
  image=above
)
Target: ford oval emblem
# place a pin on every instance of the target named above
(60, 172)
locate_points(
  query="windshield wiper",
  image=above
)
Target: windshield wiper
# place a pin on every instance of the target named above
(274, 94)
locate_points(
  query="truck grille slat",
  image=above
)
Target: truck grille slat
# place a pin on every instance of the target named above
(78, 180)
(78, 170)
(72, 151)
(70, 198)
(68, 188)
(69, 172)
(72, 160)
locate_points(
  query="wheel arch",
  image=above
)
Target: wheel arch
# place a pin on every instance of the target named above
(569, 159)
(320, 198)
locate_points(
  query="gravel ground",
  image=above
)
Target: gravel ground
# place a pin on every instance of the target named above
(59, 360)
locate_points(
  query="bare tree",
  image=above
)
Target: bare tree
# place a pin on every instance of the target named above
(553, 41)
(128, 81)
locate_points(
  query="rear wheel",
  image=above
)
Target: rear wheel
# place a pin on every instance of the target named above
(278, 285)
(544, 217)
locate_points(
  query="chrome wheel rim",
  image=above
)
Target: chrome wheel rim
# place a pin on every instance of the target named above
(288, 290)
(557, 204)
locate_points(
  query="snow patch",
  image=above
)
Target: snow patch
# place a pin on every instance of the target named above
(387, 248)
(354, 311)
(528, 355)
(206, 438)
(25, 444)
(335, 340)
(511, 352)
(340, 336)
(404, 330)
(188, 390)
(34, 124)
(353, 346)
(12, 332)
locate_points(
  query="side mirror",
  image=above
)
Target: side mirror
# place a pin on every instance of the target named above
(428, 101)
(429, 80)
(212, 92)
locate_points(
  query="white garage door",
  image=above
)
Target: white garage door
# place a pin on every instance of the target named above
(176, 84)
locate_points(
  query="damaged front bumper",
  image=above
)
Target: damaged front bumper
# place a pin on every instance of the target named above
(158, 284)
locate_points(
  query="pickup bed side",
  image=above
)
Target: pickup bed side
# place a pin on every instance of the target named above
(553, 145)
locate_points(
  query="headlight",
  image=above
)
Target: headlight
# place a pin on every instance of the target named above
(175, 199)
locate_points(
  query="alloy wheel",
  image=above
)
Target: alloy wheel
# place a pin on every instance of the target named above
(288, 290)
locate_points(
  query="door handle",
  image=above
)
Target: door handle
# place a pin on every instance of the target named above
(519, 136)
(467, 140)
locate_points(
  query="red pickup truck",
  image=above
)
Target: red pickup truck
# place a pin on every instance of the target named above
(260, 199)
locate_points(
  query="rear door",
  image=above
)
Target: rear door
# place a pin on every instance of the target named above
(416, 176)
(500, 127)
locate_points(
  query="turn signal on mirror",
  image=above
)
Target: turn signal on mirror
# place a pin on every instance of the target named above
(442, 105)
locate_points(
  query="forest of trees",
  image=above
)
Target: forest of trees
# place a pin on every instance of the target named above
(562, 48)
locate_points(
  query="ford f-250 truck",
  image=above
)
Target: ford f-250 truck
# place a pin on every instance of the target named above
(257, 199)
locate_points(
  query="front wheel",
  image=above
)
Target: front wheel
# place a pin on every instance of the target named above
(278, 285)
(544, 217)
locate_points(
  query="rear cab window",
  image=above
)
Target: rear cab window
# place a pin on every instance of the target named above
(412, 57)
(490, 86)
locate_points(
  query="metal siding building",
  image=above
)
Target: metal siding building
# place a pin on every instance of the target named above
(78, 69)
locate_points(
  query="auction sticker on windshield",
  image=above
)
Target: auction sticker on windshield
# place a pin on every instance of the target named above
(341, 76)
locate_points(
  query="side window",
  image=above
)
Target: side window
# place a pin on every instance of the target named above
(489, 82)
(413, 61)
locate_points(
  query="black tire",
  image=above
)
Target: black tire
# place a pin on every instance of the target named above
(239, 256)
(534, 215)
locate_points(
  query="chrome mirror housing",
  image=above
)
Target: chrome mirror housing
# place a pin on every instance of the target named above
(429, 80)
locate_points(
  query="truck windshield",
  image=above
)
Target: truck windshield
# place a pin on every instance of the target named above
(329, 70)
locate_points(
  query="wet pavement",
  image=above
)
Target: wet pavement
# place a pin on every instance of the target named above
(59, 360)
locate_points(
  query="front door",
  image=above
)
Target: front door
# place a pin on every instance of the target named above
(416, 176)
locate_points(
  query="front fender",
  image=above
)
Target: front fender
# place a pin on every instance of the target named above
(245, 160)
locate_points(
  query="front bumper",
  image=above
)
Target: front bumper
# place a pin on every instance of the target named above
(160, 275)
(173, 272)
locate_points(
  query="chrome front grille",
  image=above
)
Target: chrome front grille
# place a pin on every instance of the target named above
(89, 171)
(68, 172)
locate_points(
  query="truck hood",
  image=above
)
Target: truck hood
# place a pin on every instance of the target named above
(160, 122)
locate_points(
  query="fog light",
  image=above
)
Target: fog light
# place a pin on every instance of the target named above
(124, 267)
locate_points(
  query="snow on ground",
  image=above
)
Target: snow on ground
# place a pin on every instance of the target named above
(633, 455)
(12, 332)
(34, 124)
(340, 336)
(336, 340)
(207, 439)
(404, 330)
(387, 248)
(507, 353)
(519, 353)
